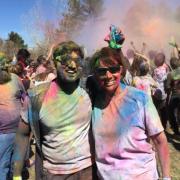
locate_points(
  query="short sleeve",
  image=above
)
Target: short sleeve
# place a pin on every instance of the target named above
(153, 123)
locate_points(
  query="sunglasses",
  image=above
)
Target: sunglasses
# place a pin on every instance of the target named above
(103, 71)
(66, 59)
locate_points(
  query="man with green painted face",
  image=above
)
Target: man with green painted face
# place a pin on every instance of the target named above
(58, 114)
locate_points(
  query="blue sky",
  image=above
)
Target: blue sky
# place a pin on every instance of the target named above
(11, 13)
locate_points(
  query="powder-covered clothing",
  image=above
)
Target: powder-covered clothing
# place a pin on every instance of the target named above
(145, 83)
(65, 124)
(10, 104)
(160, 75)
(121, 130)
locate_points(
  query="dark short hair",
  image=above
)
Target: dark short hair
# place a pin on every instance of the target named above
(41, 59)
(143, 68)
(23, 53)
(66, 48)
(174, 62)
(107, 56)
(159, 59)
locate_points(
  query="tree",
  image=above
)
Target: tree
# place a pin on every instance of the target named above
(9, 49)
(1, 44)
(16, 39)
(71, 16)
(77, 13)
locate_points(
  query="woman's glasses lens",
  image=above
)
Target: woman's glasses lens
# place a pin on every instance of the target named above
(103, 71)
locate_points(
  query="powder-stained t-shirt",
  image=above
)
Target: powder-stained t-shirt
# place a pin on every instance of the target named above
(121, 130)
(145, 83)
(160, 75)
(65, 124)
(10, 104)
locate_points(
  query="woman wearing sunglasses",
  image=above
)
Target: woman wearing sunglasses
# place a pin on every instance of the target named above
(123, 121)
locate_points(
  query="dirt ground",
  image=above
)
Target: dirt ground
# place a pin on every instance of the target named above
(174, 146)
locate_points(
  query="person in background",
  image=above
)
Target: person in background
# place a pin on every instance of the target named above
(173, 91)
(20, 65)
(60, 122)
(123, 120)
(145, 81)
(12, 92)
(44, 72)
(160, 76)
(22, 57)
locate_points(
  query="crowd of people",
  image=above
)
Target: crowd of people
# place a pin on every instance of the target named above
(110, 129)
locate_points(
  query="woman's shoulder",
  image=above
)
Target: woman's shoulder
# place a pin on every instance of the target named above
(136, 94)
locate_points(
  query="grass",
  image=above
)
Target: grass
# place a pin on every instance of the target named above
(174, 148)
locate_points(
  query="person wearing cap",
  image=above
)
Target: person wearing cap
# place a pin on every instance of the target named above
(61, 126)
(12, 92)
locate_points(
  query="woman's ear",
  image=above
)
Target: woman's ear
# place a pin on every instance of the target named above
(122, 71)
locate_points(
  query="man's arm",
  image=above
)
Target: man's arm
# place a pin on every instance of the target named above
(21, 144)
(161, 146)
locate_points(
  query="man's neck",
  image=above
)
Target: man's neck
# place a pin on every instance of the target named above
(68, 87)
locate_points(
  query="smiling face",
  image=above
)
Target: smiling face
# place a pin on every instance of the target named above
(107, 67)
(68, 58)
(108, 77)
(69, 68)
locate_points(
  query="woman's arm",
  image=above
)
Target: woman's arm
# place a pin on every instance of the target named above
(162, 148)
